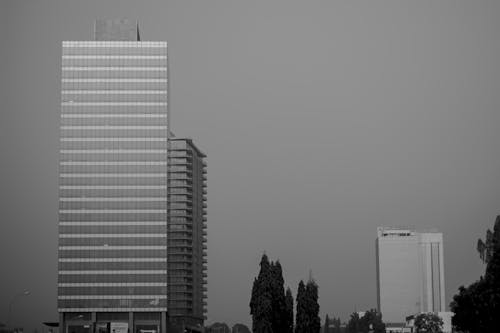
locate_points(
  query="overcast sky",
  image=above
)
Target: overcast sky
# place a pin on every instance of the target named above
(321, 121)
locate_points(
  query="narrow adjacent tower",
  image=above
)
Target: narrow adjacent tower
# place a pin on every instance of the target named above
(187, 234)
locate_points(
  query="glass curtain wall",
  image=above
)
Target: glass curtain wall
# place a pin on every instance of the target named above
(113, 177)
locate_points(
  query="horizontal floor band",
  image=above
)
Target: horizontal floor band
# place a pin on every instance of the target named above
(114, 163)
(112, 92)
(112, 211)
(113, 223)
(123, 309)
(113, 103)
(114, 57)
(109, 272)
(114, 68)
(117, 80)
(114, 115)
(110, 187)
(113, 284)
(91, 199)
(148, 297)
(113, 151)
(114, 247)
(113, 127)
(112, 259)
(157, 139)
(134, 235)
(105, 44)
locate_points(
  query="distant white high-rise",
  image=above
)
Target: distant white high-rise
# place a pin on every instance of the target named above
(410, 273)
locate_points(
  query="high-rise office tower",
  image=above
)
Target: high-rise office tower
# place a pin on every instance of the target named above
(186, 234)
(410, 273)
(114, 187)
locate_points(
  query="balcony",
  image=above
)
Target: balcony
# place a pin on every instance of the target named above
(180, 175)
(186, 200)
(180, 170)
(181, 299)
(178, 252)
(180, 191)
(180, 205)
(181, 183)
(179, 237)
(180, 160)
(181, 283)
(179, 152)
(187, 270)
(178, 245)
(181, 213)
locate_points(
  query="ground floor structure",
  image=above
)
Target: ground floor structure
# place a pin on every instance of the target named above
(125, 322)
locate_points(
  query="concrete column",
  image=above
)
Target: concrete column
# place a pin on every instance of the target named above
(93, 320)
(163, 323)
(62, 323)
(130, 322)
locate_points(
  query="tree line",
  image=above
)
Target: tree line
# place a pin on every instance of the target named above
(271, 306)
(477, 306)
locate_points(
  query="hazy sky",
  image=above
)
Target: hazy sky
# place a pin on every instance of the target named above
(321, 120)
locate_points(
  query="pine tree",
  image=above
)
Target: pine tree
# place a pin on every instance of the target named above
(289, 311)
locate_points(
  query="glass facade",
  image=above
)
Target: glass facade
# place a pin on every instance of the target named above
(113, 184)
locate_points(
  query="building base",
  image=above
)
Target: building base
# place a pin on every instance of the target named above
(113, 322)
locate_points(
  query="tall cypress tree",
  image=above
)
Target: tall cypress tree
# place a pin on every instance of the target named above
(289, 311)
(261, 299)
(301, 320)
(307, 318)
(337, 325)
(278, 298)
(327, 324)
(313, 307)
